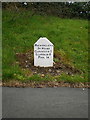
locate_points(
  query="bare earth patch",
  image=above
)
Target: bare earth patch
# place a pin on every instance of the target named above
(26, 61)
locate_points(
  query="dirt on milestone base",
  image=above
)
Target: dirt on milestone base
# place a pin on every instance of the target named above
(26, 60)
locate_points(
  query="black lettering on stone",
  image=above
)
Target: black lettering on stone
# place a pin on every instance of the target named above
(47, 56)
(41, 57)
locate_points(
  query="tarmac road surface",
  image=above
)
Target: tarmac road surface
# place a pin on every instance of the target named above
(61, 102)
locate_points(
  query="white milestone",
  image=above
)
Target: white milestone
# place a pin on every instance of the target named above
(43, 53)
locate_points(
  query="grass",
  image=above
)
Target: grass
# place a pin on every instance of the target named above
(20, 31)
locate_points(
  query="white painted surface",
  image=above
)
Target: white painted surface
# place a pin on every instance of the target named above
(43, 53)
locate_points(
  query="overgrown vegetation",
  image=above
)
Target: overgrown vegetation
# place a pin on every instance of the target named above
(21, 30)
(69, 9)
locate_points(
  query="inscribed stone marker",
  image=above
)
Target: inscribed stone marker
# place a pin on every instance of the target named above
(43, 53)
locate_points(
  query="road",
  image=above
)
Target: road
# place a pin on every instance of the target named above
(45, 102)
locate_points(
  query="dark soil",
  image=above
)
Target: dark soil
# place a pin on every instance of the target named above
(26, 60)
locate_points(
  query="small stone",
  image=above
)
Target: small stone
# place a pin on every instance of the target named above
(27, 66)
(0, 84)
(35, 72)
(49, 70)
(56, 84)
(58, 71)
(25, 3)
(17, 62)
(40, 86)
(83, 89)
(55, 80)
(42, 75)
(81, 84)
(17, 53)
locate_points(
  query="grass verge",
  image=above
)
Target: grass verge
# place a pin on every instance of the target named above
(20, 31)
